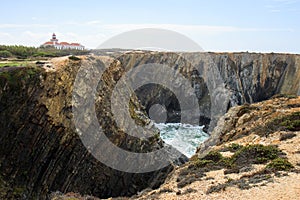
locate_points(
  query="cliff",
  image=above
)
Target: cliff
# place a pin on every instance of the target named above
(41, 152)
(220, 81)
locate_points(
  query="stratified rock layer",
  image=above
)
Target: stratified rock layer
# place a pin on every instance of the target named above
(40, 151)
(220, 80)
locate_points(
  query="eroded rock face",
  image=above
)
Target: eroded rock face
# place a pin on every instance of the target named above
(220, 80)
(40, 150)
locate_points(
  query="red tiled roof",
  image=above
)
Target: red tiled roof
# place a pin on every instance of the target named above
(75, 44)
(61, 43)
(64, 43)
(48, 43)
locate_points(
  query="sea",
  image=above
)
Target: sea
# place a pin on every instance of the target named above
(184, 137)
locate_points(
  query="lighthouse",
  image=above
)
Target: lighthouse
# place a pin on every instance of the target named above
(62, 45)
(54, 40)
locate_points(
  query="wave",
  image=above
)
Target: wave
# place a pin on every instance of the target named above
(184, 137)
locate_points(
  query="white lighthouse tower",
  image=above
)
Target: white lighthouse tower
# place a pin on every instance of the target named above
(54, 40)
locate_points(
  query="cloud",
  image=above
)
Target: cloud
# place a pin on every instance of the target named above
(276, 6)
(108, 29)
(3, 34)
(3, 26)
(287, 2)
(204, 29)
(275, 10)
(93, 33)
(93, 22)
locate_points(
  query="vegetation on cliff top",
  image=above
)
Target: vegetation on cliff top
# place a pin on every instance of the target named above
(23, 52)
(16, 77)
(242, 159)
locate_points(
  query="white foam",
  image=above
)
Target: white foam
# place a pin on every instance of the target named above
(184, 137)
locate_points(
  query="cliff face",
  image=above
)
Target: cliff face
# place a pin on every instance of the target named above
(40, 150)
(256, 77)
(220, 80)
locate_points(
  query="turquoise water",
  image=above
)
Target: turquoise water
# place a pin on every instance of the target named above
(185, 138)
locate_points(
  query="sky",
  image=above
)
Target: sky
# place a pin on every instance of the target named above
(216, 25)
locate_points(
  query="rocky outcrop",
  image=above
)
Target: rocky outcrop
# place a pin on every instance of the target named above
(259, 120)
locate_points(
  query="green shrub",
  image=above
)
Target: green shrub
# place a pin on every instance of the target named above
(246, 108)
(243, 158)
(235, 147)
(5, 54)
(201, 163)
(213, 160)
(290, 122)
(287, 136)
(255, 154)
(289, 96)
(280, 164)
(44, 54)
(19, 51)
(291, 125)
(214, 156)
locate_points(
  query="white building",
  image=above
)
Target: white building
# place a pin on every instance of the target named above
(62, 45)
